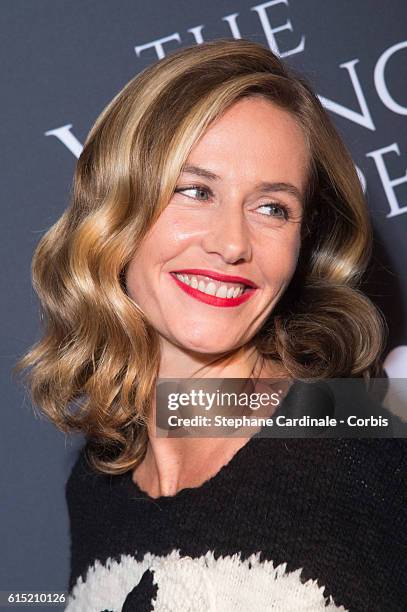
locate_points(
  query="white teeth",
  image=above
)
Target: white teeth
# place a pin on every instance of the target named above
(211, 287)
(222, 291)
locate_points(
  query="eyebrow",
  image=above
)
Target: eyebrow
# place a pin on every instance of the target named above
(263, 186)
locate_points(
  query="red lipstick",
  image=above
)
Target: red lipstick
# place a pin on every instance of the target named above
(218, 276)
(212, 299)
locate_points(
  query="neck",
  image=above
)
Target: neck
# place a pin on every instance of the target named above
(177, 362)
(173, 463)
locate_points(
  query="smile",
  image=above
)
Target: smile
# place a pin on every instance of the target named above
(214, 291)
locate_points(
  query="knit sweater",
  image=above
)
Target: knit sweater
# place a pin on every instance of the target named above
(287, 525)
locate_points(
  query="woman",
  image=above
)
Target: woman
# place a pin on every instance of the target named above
(217, 229)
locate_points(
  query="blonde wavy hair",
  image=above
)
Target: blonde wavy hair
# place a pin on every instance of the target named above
(95, 366)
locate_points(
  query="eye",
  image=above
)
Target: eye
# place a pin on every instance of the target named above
(196, 192)
(274, 206)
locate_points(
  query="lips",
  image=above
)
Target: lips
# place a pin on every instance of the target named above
(218, 276)
(214, 288)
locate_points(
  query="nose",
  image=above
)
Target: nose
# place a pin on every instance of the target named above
(228, 235)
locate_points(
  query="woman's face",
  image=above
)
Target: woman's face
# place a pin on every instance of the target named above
(224, 250)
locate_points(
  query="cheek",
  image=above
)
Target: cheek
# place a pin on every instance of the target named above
(167, 239)
(279, 261)
(139, 273)
(134, 278)
(171, 235)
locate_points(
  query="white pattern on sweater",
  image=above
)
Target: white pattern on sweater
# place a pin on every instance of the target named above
(204, 584)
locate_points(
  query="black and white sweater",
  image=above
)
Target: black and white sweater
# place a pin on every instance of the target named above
(287, 525)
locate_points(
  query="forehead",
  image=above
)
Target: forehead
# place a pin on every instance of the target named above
(254, 140)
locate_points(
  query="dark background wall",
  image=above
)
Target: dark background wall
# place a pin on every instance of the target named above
(61, 63)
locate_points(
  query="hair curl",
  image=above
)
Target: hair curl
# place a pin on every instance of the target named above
(94, 368)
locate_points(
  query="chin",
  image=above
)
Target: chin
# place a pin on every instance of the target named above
(206, 343)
